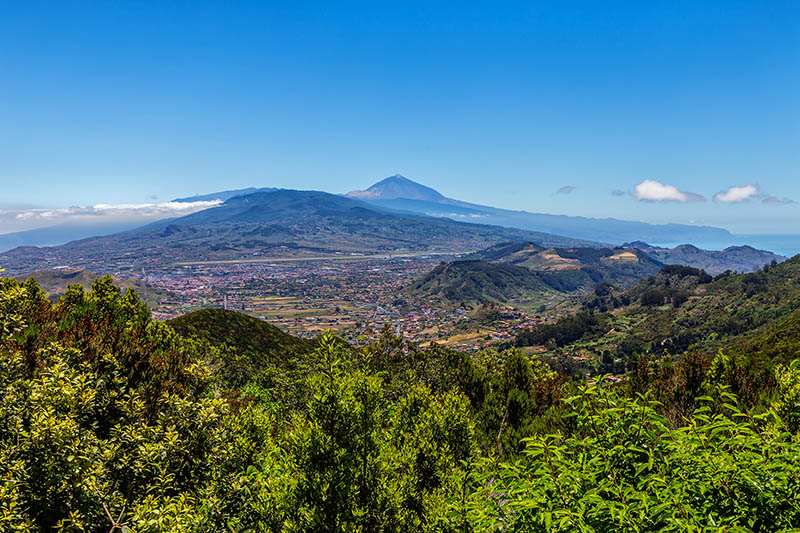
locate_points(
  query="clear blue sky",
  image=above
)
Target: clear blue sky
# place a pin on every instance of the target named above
(496, 103)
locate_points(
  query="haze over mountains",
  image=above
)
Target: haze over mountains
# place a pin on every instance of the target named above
(734, 258)
(394, 214)
(399, 192)
(278, 223)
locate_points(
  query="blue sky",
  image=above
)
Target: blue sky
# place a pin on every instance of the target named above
(496, 103)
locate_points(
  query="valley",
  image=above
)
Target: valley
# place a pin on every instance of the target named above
(355, 298)
(310, 261)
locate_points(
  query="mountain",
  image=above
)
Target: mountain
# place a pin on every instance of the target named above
(400, 193)
(282, 222)
(733, 258)
(526, 274)
(224, 195)
(398, 186)
(55, 283)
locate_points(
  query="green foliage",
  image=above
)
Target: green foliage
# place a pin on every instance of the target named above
(111, 421)
(564, 331)
(624, 469)
(788, 401)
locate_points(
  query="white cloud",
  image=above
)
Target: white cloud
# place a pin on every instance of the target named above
(734, 195)
(566, 189)
(774, 200)
(24, 219)
(655, 191)
(165, 209)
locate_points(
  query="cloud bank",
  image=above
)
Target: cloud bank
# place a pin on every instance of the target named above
(735, 195)
(655, 191)
(21, 220)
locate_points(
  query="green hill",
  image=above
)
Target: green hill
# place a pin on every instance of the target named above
(256, 345)
(242, 332)
(527, 274)
(472, 282)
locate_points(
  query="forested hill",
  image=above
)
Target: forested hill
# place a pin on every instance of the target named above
(474, 282)
(112, 421)
(526, 274)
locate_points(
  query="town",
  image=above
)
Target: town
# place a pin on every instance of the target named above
(354, 297)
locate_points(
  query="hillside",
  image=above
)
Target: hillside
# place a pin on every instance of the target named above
(618, 265)
(473, 282)
(256, 345)
(525, 274)
(278, 223)
(676, 310)
(733, 258)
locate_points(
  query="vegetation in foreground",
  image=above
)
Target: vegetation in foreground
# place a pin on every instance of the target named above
(111, 421)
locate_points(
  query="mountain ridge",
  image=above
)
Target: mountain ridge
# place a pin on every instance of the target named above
(386, 193)
(734, 258)
(282, 221)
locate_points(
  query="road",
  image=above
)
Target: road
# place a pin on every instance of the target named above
(342, 257)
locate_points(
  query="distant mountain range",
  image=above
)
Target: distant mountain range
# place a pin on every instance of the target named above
(277, 223)
(629, 258)
(400, 193)
(395, 213)
(733, 258)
